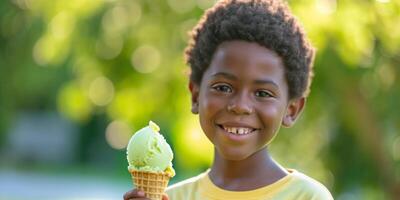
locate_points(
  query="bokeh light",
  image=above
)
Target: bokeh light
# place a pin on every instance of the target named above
(186, 27)
(50, 50)
(23, 4)
(62, 25)
(387, 76)
(326, 6)
(146, 59)
(73, 103)
(101, 91)
(107, 66)
(117, 19)
(117, 134)
(109, 47)
(396, 149)
(192, 143)
(180, 6)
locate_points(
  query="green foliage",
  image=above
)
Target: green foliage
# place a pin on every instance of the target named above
(123, 61)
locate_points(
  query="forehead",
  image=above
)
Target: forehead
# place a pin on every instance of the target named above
(242, 55)
(257, 52)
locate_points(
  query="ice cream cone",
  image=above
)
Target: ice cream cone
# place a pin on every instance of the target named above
(152, 183)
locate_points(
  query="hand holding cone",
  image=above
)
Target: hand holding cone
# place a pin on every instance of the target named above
(153, 184)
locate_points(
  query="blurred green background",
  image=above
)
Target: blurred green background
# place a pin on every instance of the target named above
(78, 77)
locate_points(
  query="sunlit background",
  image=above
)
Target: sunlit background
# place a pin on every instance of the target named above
(78, 77)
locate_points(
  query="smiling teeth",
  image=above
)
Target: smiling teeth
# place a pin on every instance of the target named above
(238, 130)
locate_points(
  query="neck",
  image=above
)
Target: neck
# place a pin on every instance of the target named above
(255, 171)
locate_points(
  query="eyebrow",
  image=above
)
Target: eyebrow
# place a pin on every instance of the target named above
(233, 77)
(266, 82)
(225, 75)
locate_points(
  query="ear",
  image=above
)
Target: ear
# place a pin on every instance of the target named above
(293, 111)
(194, 90)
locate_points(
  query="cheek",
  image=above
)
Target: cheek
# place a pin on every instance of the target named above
(272, 117)
(270, 112)
(210, 104)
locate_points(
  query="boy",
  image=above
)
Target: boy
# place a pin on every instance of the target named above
(251, 68)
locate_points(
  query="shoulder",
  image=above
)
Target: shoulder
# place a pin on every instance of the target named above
(307, 186)
(183, 189)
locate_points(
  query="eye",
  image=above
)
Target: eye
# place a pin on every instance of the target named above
(222, 88)
(263, 93)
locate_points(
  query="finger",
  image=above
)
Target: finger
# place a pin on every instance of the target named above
(135, 193)
(165, 197)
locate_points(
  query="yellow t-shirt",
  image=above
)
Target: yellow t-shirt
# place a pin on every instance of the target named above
(295, 185)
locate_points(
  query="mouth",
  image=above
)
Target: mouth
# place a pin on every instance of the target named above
(237, 130)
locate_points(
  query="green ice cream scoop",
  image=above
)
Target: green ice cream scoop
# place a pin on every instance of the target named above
(148, 151)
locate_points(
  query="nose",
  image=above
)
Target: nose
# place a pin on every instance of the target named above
(240, 105)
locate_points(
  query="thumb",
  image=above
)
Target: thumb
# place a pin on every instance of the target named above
(165, 197)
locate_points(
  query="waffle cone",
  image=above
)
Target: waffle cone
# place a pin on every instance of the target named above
(153, 184)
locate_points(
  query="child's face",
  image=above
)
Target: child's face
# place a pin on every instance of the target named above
(243, 99)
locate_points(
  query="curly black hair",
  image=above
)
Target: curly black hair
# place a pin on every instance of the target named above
(269, 23)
